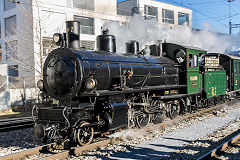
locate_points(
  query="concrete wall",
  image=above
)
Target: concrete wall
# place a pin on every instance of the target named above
(25, 56)
(106, 6)
(16, 95)
(4, 93)
(24, 49)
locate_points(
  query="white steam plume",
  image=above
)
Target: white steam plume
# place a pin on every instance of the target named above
(149, 31)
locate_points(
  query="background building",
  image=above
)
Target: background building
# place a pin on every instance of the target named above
(162, 12)
(26, 29)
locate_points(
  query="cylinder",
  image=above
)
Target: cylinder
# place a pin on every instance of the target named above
(132, 47)
(73, 34)
(106, 43)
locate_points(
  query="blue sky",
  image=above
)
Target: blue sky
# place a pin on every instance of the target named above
(214, 12)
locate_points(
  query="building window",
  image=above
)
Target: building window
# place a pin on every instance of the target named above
(8, 5)
(13, 73)
(168, 16)
(150, 12)
(183, 18)
(87, 45)
(86, 25)
(84, 4)
(11, 50)
(10, 26)
(48, 45)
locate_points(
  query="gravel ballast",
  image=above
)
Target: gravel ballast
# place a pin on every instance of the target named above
(176, 141)
(15, 141)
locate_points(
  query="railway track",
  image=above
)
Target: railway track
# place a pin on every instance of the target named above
(50, 155)
(217, 150)
(198, 113)
(15, 123)
(95, 145)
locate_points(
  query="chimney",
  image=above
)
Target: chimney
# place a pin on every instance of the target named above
(73, 34)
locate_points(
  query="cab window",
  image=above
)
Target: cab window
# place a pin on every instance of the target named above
(190, 60)
(238, 68)
(195, 61)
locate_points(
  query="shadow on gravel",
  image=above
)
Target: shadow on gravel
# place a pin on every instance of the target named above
(177, 139)
(187, 152)
(138, 154)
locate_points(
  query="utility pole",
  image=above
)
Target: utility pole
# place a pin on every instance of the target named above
(24, 95)
(230, 20)
(231, 26)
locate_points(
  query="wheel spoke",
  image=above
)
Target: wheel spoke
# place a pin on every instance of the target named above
(142, 119)
(84, 135)
(174, 110)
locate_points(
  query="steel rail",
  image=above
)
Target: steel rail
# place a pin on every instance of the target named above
(220, 148)
(198, 113)
(13, 119)
(29, 152)
(61, 155)
(78, 150)
(15, 123)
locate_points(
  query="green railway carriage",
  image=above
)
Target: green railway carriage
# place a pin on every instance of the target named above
(214, 76)
(232, 66)
(208, 78)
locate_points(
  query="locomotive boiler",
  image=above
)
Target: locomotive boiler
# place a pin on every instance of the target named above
(102, 90)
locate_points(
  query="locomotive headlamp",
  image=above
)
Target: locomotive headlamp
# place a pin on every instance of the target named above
(58, 38)
(90, 84)
(40, 84)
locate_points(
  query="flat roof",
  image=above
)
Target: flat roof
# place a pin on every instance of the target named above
(227, 55)
(164, 3)
(173, 5)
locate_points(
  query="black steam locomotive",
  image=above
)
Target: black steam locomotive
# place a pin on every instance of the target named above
(98, 91)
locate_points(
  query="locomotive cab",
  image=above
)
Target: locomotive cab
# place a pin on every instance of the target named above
(188, 60)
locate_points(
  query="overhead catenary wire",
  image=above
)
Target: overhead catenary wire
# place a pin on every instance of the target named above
(208, 2)
(173, 1)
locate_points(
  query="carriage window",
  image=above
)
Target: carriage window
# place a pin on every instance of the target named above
(236, 68)
(190, 60)
(195, 61)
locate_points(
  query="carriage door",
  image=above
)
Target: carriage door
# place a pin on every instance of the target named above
(193, 77)
(236, 76)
